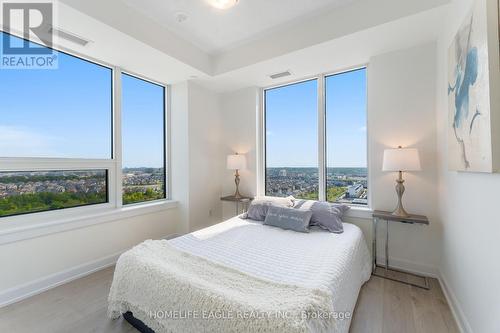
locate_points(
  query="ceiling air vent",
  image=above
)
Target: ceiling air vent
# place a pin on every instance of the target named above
(281, 74)
(69, 36)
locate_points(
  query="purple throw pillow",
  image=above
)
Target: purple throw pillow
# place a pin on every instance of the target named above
(326, 215)
(260, 205)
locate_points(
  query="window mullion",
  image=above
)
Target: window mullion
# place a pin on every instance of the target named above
(321, 139)
(261, 148)
(117, 137)
(166, 148)
(40, 164)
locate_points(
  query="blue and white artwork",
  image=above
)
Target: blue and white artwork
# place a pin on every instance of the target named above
(469, 139)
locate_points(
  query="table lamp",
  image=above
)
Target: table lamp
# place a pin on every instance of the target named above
(401, 159)
(236, 162)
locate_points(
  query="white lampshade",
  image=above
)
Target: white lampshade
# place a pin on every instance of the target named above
(401, 159)
(236, 162)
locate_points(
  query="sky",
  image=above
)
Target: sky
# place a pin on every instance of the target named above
(142, 123)
(67, 112)
(292, 122)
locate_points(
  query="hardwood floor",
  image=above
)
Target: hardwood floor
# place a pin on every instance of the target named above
(80, 306)
(392, 307)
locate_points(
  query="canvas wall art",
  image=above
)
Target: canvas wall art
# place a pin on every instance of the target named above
(470, 138)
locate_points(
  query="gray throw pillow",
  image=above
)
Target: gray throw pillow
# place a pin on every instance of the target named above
(288, 218)
(326, 215)
(259, 206)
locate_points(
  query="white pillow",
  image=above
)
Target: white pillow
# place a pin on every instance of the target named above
(279, 201)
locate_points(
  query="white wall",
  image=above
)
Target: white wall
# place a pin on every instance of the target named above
(468, 202)
(206, 162)
(198, 163)
(239, 135)
(179, 150)
(401, 111)
(34, 264)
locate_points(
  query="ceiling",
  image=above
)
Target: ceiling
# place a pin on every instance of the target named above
(347, 33)
(215, 31)
(336, 55)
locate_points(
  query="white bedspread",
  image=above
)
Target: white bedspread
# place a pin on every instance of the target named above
(340, 262)
(155, 281)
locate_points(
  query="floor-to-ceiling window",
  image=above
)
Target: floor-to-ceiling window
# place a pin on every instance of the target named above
(291, 123)
(316, 138)
(64, 139)
(143, 143)
(346, 141)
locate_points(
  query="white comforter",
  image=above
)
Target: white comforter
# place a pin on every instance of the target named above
(340, 262)
(155, 282)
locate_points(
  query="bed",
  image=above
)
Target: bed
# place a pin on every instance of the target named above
(263, 268)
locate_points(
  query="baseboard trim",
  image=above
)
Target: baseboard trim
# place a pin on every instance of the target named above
(410, 267)
(456, 309)
(38, 286)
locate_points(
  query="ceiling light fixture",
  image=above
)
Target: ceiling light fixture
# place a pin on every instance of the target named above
(223, 4)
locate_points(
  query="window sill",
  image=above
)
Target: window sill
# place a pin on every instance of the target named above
(50, 222)
(359, 212)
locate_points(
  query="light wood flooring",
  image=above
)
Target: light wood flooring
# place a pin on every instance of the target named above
(80, 306)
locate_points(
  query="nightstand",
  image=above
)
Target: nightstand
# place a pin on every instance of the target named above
(244, 201)
(388, 272)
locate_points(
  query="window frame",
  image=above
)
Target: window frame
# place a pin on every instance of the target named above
(360, 210)
(166, 140)
(314, 78)
(45, 221)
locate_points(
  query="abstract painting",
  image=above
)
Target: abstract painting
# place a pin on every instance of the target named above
(469, 138)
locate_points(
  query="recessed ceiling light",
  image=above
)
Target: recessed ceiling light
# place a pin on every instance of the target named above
(223, 4)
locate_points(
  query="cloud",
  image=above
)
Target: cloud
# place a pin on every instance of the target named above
(23, 142)
(362, 129)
